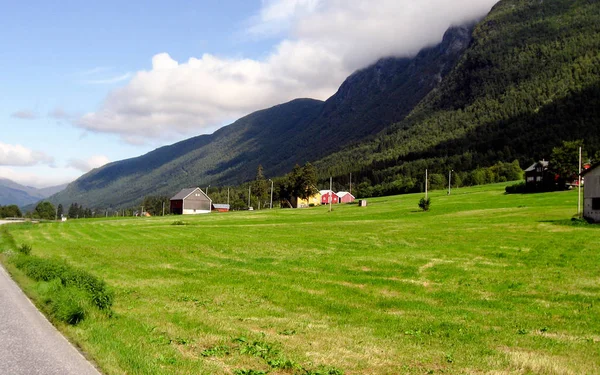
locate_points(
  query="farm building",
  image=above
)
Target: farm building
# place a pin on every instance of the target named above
(190, 202)
(345, 197)
(328, 196)
(591, 194)
(538, 177)
(219, 207)
(315, 200)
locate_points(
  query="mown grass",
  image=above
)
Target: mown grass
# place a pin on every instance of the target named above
(482, 283)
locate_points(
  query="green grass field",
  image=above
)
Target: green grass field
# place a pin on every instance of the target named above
(484, 283)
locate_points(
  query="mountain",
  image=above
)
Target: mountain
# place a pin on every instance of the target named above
(14, 193)
(279, 137)
(529, 80)
(517, 84)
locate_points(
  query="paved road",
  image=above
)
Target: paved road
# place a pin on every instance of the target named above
(29, 344)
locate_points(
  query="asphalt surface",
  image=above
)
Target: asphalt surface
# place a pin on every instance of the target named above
(29, 344)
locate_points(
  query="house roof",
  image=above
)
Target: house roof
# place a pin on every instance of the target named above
(221, 206)
(323, 192)
(544, 164)
(184, 193)
(342, 194)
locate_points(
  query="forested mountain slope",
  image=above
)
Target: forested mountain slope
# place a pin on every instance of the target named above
(529, 80)
(278, 138)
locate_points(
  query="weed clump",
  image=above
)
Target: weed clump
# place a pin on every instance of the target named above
(179, 222)
(24, 249)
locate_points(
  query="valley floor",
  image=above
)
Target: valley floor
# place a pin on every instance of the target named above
(484, 283)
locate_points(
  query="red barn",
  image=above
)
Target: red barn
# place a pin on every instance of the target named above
(329, 196)
(345, 197)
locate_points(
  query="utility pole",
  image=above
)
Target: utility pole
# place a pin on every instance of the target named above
(579, 187)
(330, 192)
(450, 181)
(350, 183)
(426, 183)
(227, 195)
(163, 208)
(271, 205)
(249, 192)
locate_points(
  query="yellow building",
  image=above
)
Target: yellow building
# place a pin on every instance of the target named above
(315, 200)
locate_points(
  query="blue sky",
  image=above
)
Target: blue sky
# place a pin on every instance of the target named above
(84, 83)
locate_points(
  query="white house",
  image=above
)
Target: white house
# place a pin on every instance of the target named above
(591, 193)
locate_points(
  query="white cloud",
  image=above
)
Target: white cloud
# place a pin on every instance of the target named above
(326, 41)
(17, 155)
(59, 114)
(107, 81)
(276, 16)
(25, 114)
(87, 165)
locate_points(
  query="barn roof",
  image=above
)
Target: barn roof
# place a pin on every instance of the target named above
(323, 192)
(184, 193)
(221, 206)
(342, 194)
(532, 167)
(592, 167)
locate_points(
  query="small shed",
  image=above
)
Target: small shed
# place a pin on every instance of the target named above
(191, 201)
(345, 197)
(220, 207)
(591, 193)
(328, 196)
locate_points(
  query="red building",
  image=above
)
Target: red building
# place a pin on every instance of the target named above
(328, 196)
(345, 197)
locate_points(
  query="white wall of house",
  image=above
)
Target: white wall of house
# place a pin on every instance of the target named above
(591, 195)
(195, 212)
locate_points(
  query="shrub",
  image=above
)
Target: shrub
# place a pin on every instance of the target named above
(424, 204)
(517, 188)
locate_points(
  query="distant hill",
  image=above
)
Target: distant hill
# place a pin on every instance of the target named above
(279, 137)
(14, 193)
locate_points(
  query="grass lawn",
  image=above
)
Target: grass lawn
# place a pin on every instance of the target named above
(484, 283)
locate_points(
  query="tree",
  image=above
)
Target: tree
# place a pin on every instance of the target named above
(10, 211)
(45, 210)
(59, 210)
(154, 204)
(306, 182)
(565, 160)
(259, 186)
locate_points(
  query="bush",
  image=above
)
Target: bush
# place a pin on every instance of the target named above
(424, 204)
(518, 188)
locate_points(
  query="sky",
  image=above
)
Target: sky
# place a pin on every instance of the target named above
(87, 83)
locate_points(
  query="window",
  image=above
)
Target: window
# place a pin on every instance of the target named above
(596, 204)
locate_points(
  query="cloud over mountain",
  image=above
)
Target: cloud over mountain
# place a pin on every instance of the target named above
(325, 41)
(17, 155)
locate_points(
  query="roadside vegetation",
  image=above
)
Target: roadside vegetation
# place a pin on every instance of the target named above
(482, 283)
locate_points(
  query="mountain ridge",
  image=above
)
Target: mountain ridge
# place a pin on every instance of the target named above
(278, 137)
